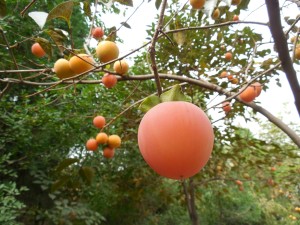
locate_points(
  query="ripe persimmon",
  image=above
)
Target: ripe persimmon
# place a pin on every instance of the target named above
(121, 67)
(175, 139)
(114, 141)
(109, 80)
(81, 63)
(226, 106)
(62, 69)
(99, 121)
(37, 50)
(238, 182)
(228, 56)
(234, 80)
(91, 144)
(248, 95)
(197, 4)
(223, 74)
(97, 32)
(108, 152)
(257, 87)
(102, 138)
(235, 18)
(107, 51)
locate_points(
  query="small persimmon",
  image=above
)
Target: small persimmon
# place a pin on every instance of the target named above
(197, 4)
(97, 33)
(216, 14)
(37, 50)
(109, 80)
(108, 152)
(257, 87)
(121, 67)
(102, 138)
(91, 144)
(228, 56)
(223, 74)
(226, 106)
(81, 63)
(99, 121)
(235, 18)
(238, 182)
(114, 141)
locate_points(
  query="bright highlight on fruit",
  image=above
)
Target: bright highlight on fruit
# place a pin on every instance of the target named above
(37, 50)
(176, 139)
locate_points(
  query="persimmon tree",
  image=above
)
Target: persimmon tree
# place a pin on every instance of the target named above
(187, 48)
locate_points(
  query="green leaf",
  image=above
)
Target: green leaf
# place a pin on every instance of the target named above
(87, 174)
(174, 94)
(125, 2)
(126, 25)
(46, 45)
(59, 183)
(63, 11)
(65, 163)
(87, 9)
(3, 8)
(149, 102)
(57, 36)
(158, 3)
(112, 34)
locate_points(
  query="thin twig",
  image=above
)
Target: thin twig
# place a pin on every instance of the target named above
(27, 7)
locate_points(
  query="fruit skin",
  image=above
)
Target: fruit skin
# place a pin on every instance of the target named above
(80, 66)
(234, 81)
(175, 139)
(108, 152)
(248, 95)
(102, 138)
(62, 69)
(228, 56)
(114, 141)
(223, 74)
(121, 67)
(257, 87)
(226, 106)
(92, 144)
(99, 122)
(216, 14)
(109, 80)
(107, 51)
(197, 4)
(235, 18)
(238, 182)
(97, 33)
(297, 53)
(235, 2)
(37, 50)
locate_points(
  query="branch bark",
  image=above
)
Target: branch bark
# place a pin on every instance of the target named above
(282, 48)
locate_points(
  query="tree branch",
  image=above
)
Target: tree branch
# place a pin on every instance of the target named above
(282, 48)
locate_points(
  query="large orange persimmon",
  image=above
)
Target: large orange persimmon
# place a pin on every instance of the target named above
(176, 139)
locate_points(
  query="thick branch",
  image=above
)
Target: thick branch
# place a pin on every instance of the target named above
(282, 48)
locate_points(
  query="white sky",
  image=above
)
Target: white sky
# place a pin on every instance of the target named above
(273, 99)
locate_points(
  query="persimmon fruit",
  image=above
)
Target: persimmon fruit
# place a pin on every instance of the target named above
(114, 141)
(107, 51)
(234, 80)
(297, 53)
(248, 95)
(228, 56)
(216, 14)
(226, 106)
(235, 18)
(109, 80)
(91, 144)
(235, 2)
(108, 152)
(62, 69)
(81, 63)
(37, 50)
(99, 121)
(223, 74)
(121, 67)
(97, 32)
(176, 139)
(238, 182)
(197, 4)
(102, 138)
(257, 87)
